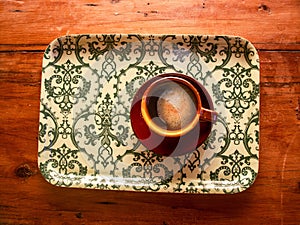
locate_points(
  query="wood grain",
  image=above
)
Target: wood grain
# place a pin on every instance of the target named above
(26, 29)
(39, 22)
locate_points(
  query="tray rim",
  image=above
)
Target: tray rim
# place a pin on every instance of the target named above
(256, 53)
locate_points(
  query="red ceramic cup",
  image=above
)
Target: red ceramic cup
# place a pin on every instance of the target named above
(172, 114)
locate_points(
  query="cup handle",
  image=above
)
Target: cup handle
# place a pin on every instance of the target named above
(208, 115)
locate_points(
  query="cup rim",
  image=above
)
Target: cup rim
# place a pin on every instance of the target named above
(159, 130)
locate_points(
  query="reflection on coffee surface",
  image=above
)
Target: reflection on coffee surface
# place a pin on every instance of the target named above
(176, 105)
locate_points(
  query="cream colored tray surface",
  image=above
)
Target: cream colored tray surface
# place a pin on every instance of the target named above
(85, 135)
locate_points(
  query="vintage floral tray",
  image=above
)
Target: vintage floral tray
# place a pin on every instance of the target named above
(85, 134)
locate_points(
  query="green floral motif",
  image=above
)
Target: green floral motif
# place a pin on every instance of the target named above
(237, 90)
(42, 132)
(48, 128)
(65, 161)
(47, 51)
(69, 45)
(108, 43)
(192, 189)
(196, 44)
(104, 134)
(251, 139)
(237, 48)
(151, 46)
(236, 135)
(52, 54)
(201, 45)
(147, 168)
(150, 70)
(235, 167)
(85, 135)
(106, 46)
(103, 120)
(65, 129)
(242, 48)
(67, 85)
(209, 142)
(193, 50)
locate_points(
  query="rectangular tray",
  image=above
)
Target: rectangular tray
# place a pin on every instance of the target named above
(85, 135)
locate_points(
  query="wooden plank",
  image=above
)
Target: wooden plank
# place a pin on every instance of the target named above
(271, 24)
(26, 198)
(26, 29)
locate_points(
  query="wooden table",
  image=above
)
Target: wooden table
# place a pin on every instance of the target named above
(27, 27)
